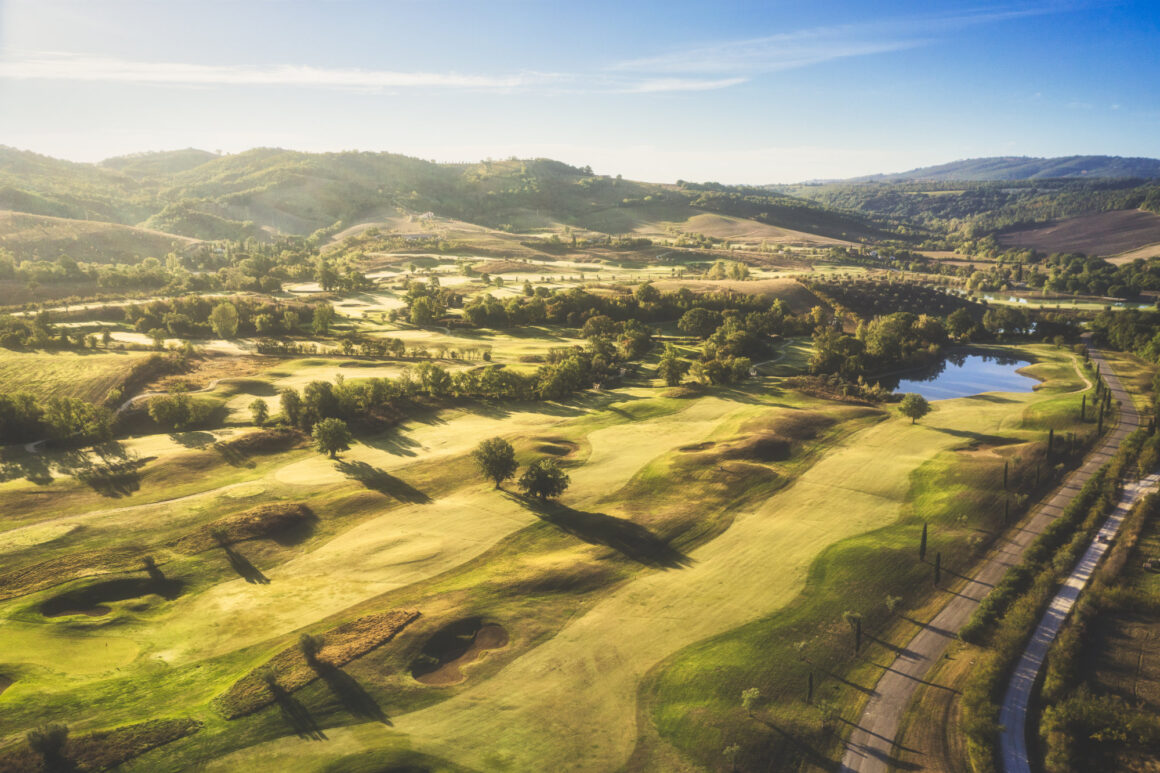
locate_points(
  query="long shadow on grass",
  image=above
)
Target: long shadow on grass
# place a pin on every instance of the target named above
(382, 482)
(296, 714)
(630, 539)
(350, 693)
(113, 479)
(394, 442)
(246, 570)
(808, 752)
(978, 437)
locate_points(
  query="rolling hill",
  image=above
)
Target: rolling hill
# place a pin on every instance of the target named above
(270, 191)
(1028, 168)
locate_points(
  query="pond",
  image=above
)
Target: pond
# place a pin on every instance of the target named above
(961, 375)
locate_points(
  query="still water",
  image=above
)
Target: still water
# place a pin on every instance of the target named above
(963, 375)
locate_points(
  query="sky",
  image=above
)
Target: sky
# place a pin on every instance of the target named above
(734, 92)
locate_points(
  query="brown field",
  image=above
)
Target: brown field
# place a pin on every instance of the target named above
(27, 236)
(1106, 234)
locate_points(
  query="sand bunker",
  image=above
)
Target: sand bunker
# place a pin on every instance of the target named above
(455, 646)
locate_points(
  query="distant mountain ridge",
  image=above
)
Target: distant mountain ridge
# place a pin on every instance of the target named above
(999, 168)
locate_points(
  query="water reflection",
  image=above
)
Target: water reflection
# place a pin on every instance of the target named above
(961, 374)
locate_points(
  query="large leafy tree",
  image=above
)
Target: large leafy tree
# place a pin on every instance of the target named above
(496, 459)
(544, 479)
(914, 406)
(224, 320)
(331, 436)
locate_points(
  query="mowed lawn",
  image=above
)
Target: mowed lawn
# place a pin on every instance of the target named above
(571, 703)
(87, 375)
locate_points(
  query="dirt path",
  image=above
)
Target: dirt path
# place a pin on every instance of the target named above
(870, 746)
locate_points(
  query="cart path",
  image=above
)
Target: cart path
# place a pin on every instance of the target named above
(1013, 715)
(869, 749)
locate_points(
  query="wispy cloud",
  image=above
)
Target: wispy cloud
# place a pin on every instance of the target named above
(655, 85)
(801, 48)
(77, 67)
(697, 68)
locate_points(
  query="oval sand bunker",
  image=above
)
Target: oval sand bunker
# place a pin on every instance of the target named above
(454, 646)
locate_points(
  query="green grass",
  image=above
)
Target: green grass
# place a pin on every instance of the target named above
(948, 480)
(87, 375)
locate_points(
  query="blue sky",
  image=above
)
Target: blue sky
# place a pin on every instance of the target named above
(739, 92)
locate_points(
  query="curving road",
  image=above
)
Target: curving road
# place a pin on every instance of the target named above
(869, 749)
(1013, 715)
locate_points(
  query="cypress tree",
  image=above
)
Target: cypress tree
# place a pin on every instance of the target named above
(922, 544)
(937, 568)
(1083, 408)
(1050, 442)
(810, 688)
(1005, 464)
(857, 634)
(1006, 510)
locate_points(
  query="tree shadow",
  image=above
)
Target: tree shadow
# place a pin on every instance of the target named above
(113, 479)
(31, 467)
(352, 695)
(382, 482)
(807, 751)
(978, 437)
(630, 539)
(394, 443)
(232, 456)
(246, 570)
(295, 713)
(194, 440)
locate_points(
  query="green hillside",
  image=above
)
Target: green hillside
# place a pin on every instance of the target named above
(269, 191)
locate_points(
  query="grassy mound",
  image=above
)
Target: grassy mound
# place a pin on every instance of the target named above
(266, 441)
(291, 670)
(57, 571)
(272, 520)
(104, 749)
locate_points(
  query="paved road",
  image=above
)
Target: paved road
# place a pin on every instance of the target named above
(1013, 715)
(869, 749)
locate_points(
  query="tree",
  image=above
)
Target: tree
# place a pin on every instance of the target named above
(922, 544)
(48, 741)
(259, 411)
(310, 647)
(224, 320)
(671, 367)
(291, 405)
(331, 436)
(496, 459)
(323, 317)
(422, 312)
(544, 479)
(914, 406)
(748, 698)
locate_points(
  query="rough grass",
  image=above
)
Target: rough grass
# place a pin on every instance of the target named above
(104, 749)
(291, 670)
(87, 375)
(56, 571)
(269, 520)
